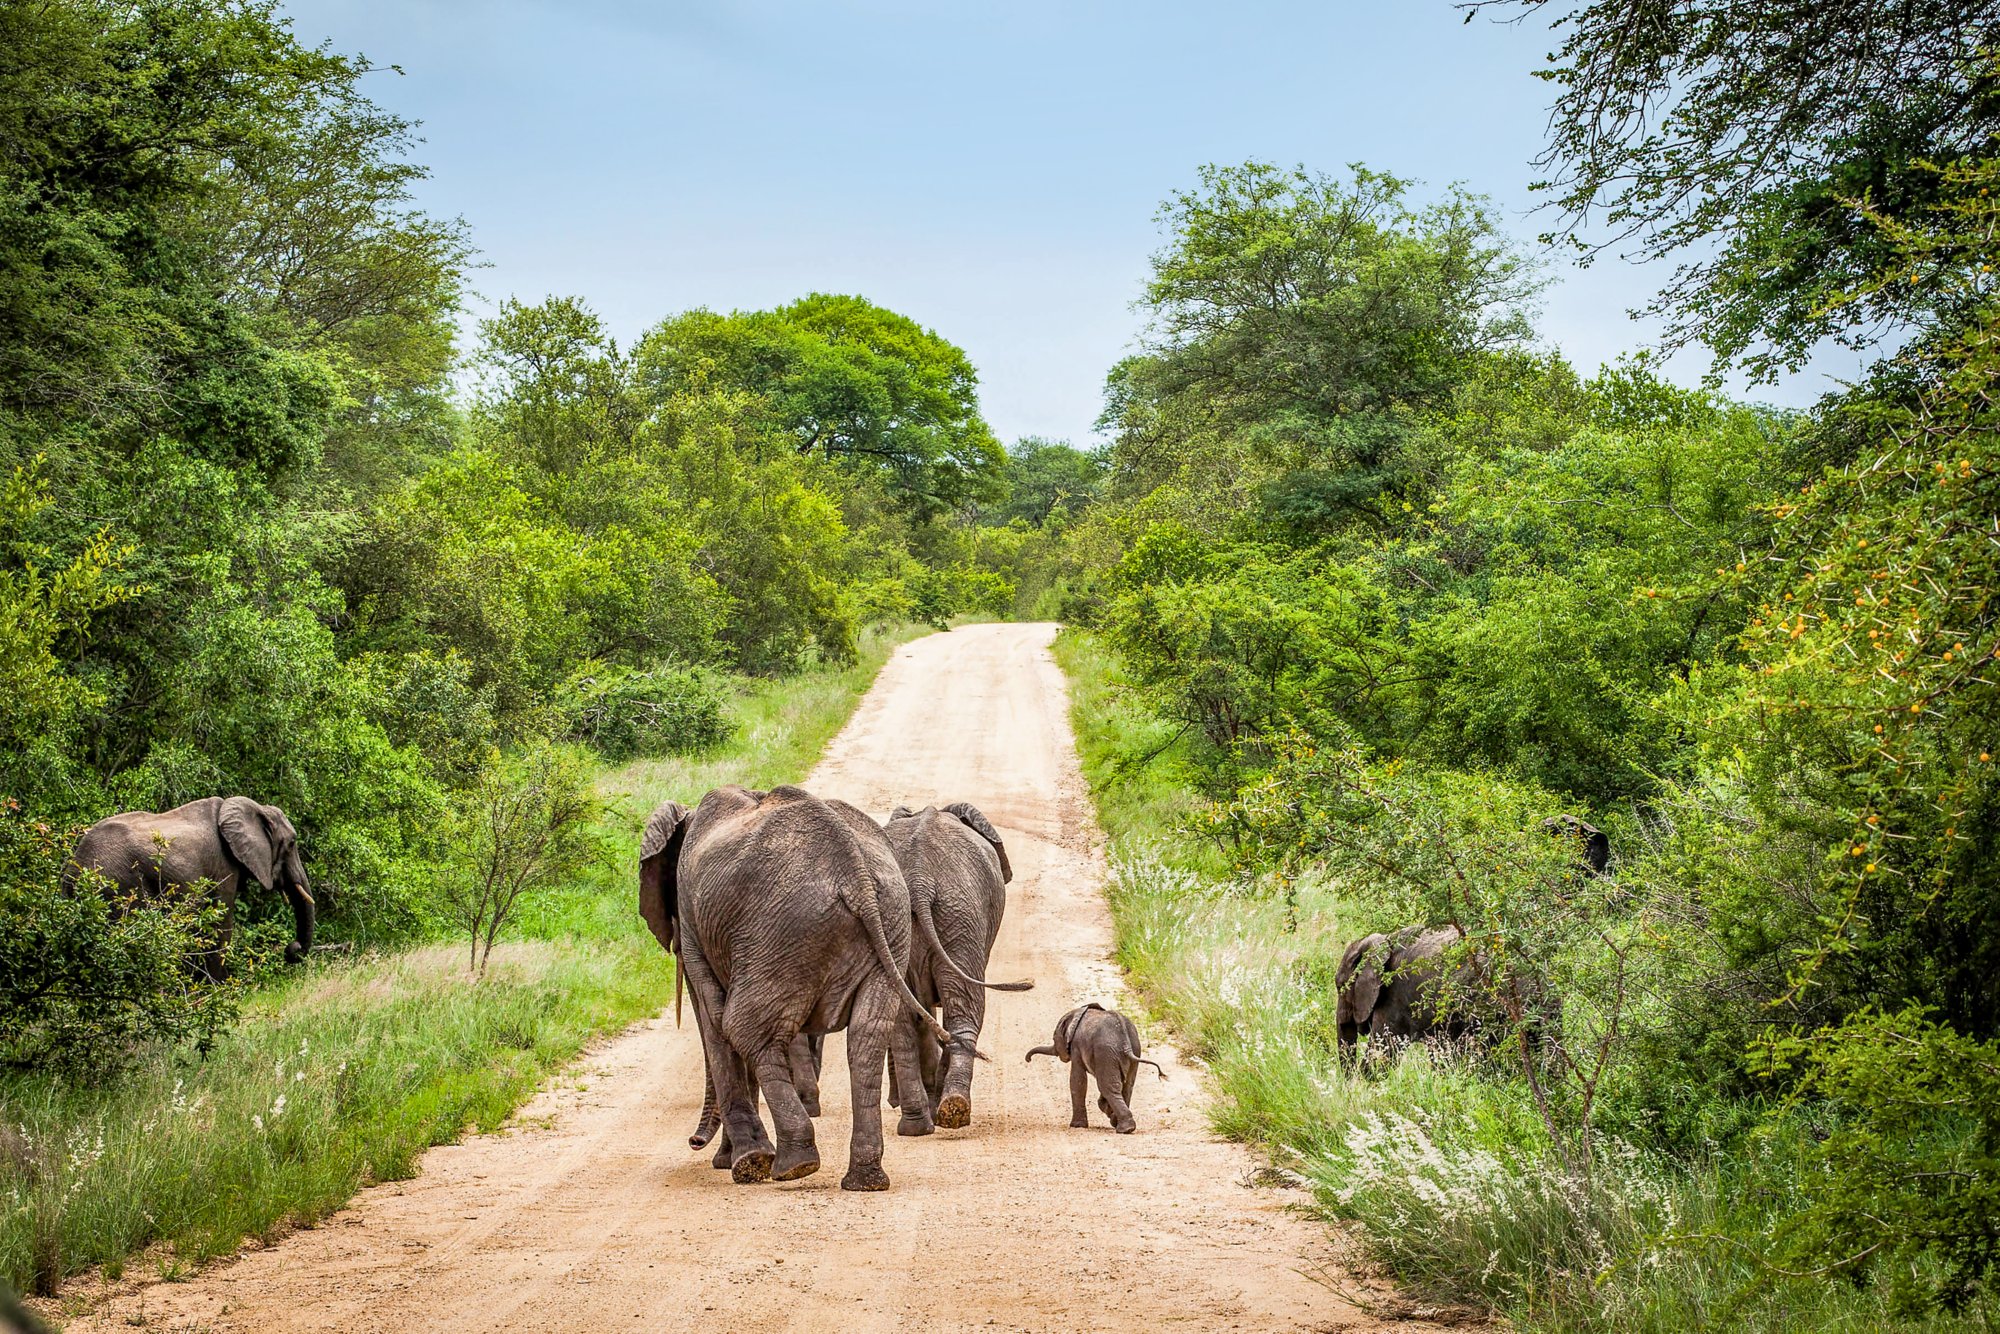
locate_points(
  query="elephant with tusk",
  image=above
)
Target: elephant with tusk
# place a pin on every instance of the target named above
(220, 840)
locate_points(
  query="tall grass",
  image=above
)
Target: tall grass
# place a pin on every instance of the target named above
(345, 1073)
(1439, 1155)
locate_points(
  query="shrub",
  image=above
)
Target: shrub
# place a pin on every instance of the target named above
(87, 983)
(667, 709)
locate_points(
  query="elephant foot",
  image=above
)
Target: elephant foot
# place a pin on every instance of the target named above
(795, 1163)
(1079, 1123)
(810, 1104)
(724, 1157)
(915, 1125)
(1125, 1127)
(954, 1111)
(752, 1166)
(865, 1176)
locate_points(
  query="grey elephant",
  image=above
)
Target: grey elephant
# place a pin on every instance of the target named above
(1103, 1045)
(957, 869)
(1396, 986)
(220, 840)
(790, 919)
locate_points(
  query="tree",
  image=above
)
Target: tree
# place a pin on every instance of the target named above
(846, 379)
(524, 828)
(1760, 125)
(1043, 475)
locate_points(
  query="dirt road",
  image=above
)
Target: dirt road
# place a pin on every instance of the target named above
(591, 1213)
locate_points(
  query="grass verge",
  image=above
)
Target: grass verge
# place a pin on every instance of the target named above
(1442, 1162)
(344, 1074)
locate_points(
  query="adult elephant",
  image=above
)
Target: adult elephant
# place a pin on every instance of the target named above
(789, 917)
(221, 840)
(958, 872)
(1397, 985)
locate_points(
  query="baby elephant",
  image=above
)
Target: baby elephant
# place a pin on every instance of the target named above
(1104, 1043)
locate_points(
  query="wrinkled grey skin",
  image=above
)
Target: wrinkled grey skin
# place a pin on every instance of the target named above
(1103, 1045)
(1389, 987)
(218, 839)
(790, 919)
(1410, 985)
(957, 870)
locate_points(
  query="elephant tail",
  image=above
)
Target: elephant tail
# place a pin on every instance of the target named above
(1155, 1064)
(868, 906)
(1033, 1052)
(928, 926)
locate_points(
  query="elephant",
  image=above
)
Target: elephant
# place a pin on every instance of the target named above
(1389, 987)
(1401, 986)
(217, 839)
(789, 918)
(1104, 1044)
(1593, 847)
(957, 870)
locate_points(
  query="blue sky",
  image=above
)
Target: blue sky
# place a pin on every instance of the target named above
(989, 169)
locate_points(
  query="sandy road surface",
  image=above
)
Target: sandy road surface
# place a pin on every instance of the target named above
(591, 1213)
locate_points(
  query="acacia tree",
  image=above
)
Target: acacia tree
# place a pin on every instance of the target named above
(524, 828)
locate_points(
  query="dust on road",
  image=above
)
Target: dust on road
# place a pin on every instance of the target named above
(590, 1212)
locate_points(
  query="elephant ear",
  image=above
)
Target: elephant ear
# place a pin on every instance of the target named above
(659, 872)
(247, 834)
(969, 815)
(1359, 979)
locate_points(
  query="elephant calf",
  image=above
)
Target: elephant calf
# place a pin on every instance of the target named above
(1104, 1044)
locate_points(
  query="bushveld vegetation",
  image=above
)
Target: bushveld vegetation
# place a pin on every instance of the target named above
(1372, 585)
(272, 522)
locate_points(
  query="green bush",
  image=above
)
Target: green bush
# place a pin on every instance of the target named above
(667, 709)
(87, 983)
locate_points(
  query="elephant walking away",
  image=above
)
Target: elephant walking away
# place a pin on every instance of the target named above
(221, 840)
(957, 870)
(789, 916)
(1103, 1045)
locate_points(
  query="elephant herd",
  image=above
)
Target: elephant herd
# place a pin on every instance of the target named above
(793, 916)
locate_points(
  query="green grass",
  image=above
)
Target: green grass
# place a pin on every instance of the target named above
(1442, 1161)
(345, 1073)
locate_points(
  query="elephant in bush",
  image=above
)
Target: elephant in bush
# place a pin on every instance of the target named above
(1103, 1045)
(1396, 986)
(957, 870)
(1408, 985)
(1593, 848)
(789, 917)
(220, 840)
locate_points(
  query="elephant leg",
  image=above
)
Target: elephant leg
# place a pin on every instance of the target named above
(964, 1015)
(735, 1087)
(1113, 1086)
(805, 1074)
(1079, 1089)
(868, 1038)
(930, 1065)
(797, 1155)
(904, 1041)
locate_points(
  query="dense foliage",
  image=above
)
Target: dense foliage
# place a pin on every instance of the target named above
(1398, 586)
(259, 535)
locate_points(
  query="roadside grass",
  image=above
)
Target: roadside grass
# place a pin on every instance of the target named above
(1440, 1158)
(344, 1073)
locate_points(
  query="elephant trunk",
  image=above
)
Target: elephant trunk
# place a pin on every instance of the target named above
(711, 1114)
(304, 911)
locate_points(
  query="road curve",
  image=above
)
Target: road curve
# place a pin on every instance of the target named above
(589, 1212)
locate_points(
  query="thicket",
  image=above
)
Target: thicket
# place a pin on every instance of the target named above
(273, 522)
(1385, 584)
